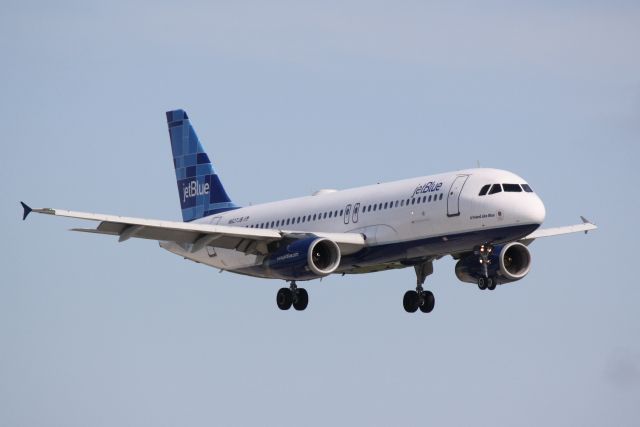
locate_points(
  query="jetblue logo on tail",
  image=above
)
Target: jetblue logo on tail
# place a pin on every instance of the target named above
(194, 188)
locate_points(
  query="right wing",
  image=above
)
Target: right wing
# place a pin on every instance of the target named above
(586, 226)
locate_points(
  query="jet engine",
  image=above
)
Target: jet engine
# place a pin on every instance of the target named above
(507, 263)
(304, 259)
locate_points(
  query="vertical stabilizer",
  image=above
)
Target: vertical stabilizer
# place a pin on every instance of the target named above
(200, 190)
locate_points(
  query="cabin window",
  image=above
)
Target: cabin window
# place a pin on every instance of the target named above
(495, 188)
(385, 205)
(512, 188)
(440, 196)
(526, 188)
(484, 190)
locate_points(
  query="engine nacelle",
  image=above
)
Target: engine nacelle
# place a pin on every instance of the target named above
(304, 259)
(508, 263)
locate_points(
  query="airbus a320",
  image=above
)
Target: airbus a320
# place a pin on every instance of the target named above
(483, 218)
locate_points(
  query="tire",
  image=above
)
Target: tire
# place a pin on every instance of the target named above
(491, 283)
(410, 301)
(428, 303)
(301, 299)
(284, 299)
(482, 283)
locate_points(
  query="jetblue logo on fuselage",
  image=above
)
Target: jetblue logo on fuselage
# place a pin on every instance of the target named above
(194, 188)
(429, 187)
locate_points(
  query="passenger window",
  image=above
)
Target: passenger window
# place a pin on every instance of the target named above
(341, 212)
(526, 188)
(408, 202)
(396, 203)
(441, 196)
(495, 188)
(375, 207)
(324, 216)
(385, 205)
(413, 201)
(429, 198)
(484, 190)
(402, 202)
(512, 188)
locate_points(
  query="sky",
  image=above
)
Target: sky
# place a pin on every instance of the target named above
(289, 97)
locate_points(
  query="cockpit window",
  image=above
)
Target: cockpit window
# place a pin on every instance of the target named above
(484, 190)
(495, 188)
(526, 188)
(512, 188)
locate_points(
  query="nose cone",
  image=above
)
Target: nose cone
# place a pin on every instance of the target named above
(536, 211)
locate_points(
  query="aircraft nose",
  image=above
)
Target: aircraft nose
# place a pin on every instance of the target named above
(536, 211)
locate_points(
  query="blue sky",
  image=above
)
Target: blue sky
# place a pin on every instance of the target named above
(290, 97)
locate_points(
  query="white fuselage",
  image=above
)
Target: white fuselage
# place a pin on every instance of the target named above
(411, 219)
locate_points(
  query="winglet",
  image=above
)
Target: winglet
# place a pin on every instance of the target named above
(27, 210)
(586, 221)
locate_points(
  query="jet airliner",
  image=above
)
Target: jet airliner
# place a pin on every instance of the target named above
(484, 218)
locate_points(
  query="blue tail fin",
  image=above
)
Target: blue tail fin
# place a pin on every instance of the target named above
(200, 190)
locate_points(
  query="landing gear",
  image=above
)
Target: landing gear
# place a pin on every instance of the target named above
(486, 281)
(298, 297)
(420, 299)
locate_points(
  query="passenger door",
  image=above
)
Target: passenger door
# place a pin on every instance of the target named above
(453, 198)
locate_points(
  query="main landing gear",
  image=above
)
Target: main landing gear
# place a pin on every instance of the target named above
(486, 281)
(420, 299)
(298, 297)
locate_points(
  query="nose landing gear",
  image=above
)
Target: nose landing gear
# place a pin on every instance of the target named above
(485, 281)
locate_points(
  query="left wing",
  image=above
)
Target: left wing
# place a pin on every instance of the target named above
(247, 240)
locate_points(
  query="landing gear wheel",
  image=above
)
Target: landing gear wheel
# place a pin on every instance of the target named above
(284, 298)
(410, 301)
(482, 283)
(428, 302)
(491, 283)
(301, 299)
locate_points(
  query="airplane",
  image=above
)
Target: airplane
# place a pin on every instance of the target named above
(484, 218)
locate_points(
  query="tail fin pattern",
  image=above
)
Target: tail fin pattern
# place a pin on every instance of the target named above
(200, 190)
